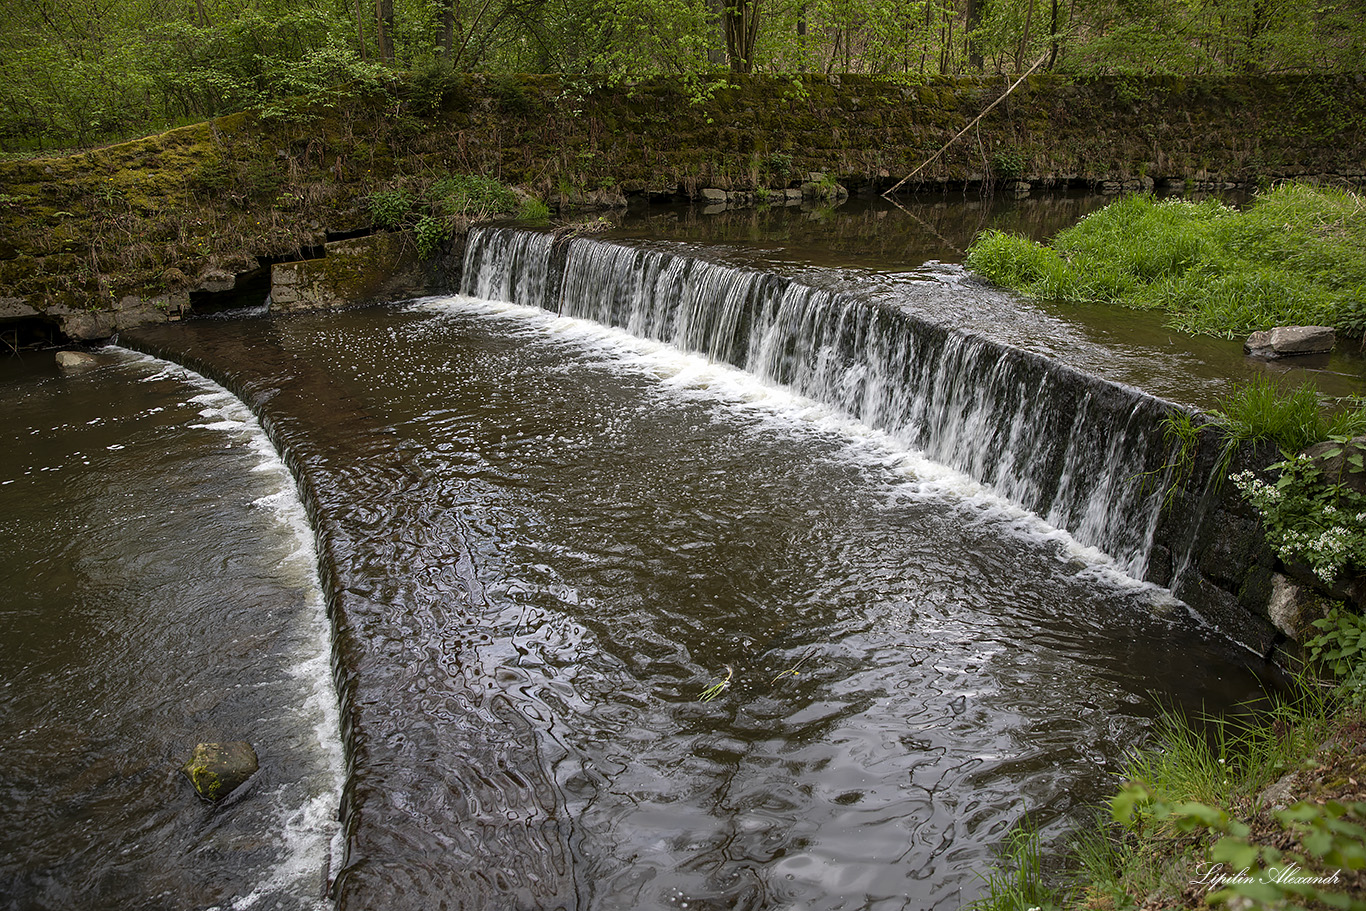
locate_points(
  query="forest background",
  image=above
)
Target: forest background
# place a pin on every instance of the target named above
(81, 72)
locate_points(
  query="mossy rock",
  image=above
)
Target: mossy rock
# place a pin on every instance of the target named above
(218, 769)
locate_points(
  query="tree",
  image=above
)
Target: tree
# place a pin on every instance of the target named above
(741, 21)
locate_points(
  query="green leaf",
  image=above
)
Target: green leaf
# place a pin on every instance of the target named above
(1125, 805)
(1235, 852)
(1303, 811)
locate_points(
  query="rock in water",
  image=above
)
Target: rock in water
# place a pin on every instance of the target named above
(218, 769)
(1285, 341)
(75, 360)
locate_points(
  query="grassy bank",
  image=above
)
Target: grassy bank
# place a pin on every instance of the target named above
(1295, 256)
(1265, 810)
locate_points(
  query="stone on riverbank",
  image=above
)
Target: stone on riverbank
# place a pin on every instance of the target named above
(72, 361)
(1287, 341)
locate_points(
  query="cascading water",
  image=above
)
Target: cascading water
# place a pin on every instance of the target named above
(1080, 452)
(545, 537)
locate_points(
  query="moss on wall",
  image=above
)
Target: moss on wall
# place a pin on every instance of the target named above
(154, 219)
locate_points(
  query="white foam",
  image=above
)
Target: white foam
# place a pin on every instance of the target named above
(309, 832)
(697, 377)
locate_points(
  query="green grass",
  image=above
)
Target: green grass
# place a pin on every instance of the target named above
(1296, 256)
(1261, 411)
(1292, 419)
(1020, 884)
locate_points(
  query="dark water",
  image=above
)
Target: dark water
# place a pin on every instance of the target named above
(550, 539)
(160, 590)
(544, 541)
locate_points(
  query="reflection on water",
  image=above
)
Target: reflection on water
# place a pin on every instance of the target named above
(550, 539)
(861, 234)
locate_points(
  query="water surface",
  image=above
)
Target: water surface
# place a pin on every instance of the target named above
(551, 539)
(161, 590)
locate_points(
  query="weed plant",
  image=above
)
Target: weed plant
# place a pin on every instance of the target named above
(444, 204)
(1296, 256)
(1184, 803)
(1020, 883)
(1292, 419)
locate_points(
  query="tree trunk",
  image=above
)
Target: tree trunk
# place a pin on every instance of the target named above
(946, 48)
(384, 29)
(360, 32)
(1024, 39)
(203, 16)
(973, 20)
(446, 33)
(741, 20)
(1053, 37)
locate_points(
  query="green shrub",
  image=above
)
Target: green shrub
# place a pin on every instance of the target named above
(389, 208)
(1340, 648)
(1307, 517)
(431, 234)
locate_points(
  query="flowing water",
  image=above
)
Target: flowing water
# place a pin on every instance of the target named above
(908, 255)
(549, 539)
(906, 574)
(160, 590)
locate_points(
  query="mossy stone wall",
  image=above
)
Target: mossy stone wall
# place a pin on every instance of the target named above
(132, 230)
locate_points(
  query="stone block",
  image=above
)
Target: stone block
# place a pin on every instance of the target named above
(1293, 608)
(362, 270)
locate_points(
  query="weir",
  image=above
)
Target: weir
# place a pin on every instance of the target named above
(1085, 454)
(538, 558)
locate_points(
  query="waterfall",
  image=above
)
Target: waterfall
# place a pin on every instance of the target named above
(1083, 453)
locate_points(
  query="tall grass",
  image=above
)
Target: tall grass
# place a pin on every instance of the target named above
(1228, 759)
(1292, 419)
(1296, 256)
(1020, 885)
(1224, 762)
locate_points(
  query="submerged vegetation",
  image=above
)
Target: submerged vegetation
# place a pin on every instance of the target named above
(1295, 256)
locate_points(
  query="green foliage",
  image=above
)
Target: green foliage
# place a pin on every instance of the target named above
(390, 208)
(1182, 818)
(1340, 648)
(1331, 833)
(533, 209)
(431, 233)
(434, 211)
(75, 72)
(1008, 162)
(473, 196)
(1261, 410)
(1310, 517)
(1182, 437)
(1297, 256)
(1174, 812)
(95, 73)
